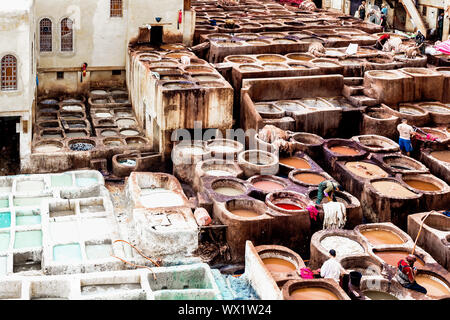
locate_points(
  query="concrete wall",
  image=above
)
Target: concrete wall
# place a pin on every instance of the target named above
(100, 40)
(17, 38)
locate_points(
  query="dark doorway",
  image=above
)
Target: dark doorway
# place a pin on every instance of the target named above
(318, 3)
(9, 146)
(399, 17)
(156, 35)
(354, 5)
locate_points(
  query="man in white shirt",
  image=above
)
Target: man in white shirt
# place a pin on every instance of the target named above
(331, 269)
(405, 132)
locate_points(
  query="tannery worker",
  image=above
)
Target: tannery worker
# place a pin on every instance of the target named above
(406, 273)
(405, 131)
(331, 269)
(381, 41)
(327, 188)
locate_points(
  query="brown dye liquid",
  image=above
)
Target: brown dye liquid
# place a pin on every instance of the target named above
(434, 288)
(268, 186)
(366, 170)
(246, 213)
(393, 257)
(278, 265)
(441, 155)
(422, 185)
(343, 150)
(297, 163)
(392, 189)
(271, 59)
(377, 237)
(313, 294)
(310, 178)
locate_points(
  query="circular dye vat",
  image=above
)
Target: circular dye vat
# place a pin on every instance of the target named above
(381, 237)
(435, 287)
(278, 265)
(283, 41)
(108, 133)
(129, 132)
(103, 115)
(72, 108)
(248, 67)
(241, 59)
(274, 66)
(178, 85)
(229, 191)
(98, 91)
(268, 185)
(313, 293)
(309, 178)
(392, 189)
(392, 257)
(161, 198)
(295, 162)
(421, 185)
(76, 134)
(342, 245)
(48, 147)
(205, 77)
(441, 155)
(49, 101)
(288, 206)
(218, 173)
(271, 58)
(81, 146)
(435, 107)
(125, 122)
(344, 150)
(379, 295)
(366, 170)
(300, 57)
(245, 213)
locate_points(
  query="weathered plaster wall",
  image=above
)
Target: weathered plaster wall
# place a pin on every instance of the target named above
(17, 38)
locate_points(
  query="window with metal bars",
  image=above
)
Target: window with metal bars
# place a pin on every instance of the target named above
(116, 8)
(45, 35)
(66, 35)
(9, 73)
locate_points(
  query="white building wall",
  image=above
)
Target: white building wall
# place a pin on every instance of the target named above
(17, 38)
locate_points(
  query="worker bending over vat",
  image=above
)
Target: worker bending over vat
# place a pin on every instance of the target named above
(406, 273)
(331, 269)
(405, 131)
(327, 188)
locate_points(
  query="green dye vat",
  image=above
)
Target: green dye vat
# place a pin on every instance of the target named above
(28, 239)
(27, 220)
(86, 182)
(67, 253)
(63, 180)
(98, 251)
(29, 202)
(4, 203)
(5, 220)
(4, 241)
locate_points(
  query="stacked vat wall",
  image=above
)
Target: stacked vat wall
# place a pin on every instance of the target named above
(165, 106)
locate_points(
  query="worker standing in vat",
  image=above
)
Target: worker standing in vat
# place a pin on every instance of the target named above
(331, 269)
(327, 188)
(406, 273)
(405, 131)
(362, 10)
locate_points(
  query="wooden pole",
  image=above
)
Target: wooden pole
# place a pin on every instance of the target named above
(418, 234)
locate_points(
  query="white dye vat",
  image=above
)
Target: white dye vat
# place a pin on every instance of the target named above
(98, 251)
(342, 245)
(96, 228)
(30, 186)
(218, 173)
(160, 199)
(64, 232)
(108, 288)
(72, 108)
(222, 148)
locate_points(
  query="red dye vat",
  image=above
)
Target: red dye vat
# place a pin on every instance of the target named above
(288, 206)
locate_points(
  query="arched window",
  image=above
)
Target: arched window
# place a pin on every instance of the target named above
(66, 35)
(9, 73)
(116, 8)
(45, 35)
